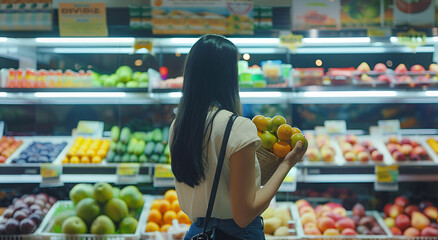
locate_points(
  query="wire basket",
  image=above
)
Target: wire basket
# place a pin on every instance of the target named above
(47, 225)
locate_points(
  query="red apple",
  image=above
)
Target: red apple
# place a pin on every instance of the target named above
(401, 68)
(363, 67)
(363, 157)
(396, 231)
(431, 212)
(406, 149)
(401, 201)
(417, 68)
(414, 157)
(402, 221)
(378, 157)
(380, 67)
(348, 231)
(429, 232)
(345, 223)
(411, 232)
(398, 156)
(358, 210)
(300, 203)
(325, 223)
(395, 210)
(392, 147)
(350, 156)
(420, 151)
(414, 143)
(352, 139)
(371, 149)
(386, 209)
(410, 209)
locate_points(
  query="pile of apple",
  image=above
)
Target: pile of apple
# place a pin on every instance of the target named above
(406, 149)
(420, 74)
(7, 146)
(411, 220)
(320, 149)
(275, 220)
(358, 151)
(331, 219)
(379, 69)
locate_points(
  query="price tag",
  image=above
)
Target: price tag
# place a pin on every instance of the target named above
(389, 127)
(290, 182)
(143, 43)
(378, 32)
(336, 127)
(386, 178)
(291, 41)
(51, 175)
(375, 131)
(93, 129)
(2, 128)
(163, 176)
(127, 173)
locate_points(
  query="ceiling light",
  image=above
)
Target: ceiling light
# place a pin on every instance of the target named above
(322, 94)
(79, 94)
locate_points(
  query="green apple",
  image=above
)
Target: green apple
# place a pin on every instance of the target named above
(88, 209)
(81, 191)
(103, 225)
(144, 77)
(136, 76)
(128, 225)
(103, 192)
(120, 85)
(132, 196)
(116, 209)
(143, 84)
(124, 73)
(74, 225)
(132, 84)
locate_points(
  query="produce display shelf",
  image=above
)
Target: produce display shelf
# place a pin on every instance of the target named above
(44, 230)
(78, 89)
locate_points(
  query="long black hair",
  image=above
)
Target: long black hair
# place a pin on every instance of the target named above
(210, 77)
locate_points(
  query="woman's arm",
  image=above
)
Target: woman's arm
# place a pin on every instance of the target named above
(247, 202)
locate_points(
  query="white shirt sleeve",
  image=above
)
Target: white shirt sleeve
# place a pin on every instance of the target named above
(243, 133)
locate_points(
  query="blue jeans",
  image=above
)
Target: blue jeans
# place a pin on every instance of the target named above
(254, 230)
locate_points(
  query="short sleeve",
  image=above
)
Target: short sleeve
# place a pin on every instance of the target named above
(243, 133)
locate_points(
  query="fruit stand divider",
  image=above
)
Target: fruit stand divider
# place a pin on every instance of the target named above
(44, 230)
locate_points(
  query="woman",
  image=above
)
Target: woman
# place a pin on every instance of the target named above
(210, 97)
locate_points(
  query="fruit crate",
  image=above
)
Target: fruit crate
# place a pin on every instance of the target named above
(427, 159)
(27, 141)
(375, 214)
(44, 232)
(294, 232)
(410, 79)
(377, 143)
(373, 79)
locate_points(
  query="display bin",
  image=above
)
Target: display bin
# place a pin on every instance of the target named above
(424, 79)
(44, 232)
(429, 158)
(294, 231)
(374, 79)
(375, 214)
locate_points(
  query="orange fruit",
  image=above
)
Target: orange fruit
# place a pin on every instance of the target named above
(261, 122)
(156, 204)
(281, 149)
(65, 160)
(85, 159)
(165, 227)
(183, 218)
(152, 227)
(169, 216)
(298, 137)
(164, 206)
(284, 132)
(175, 206)
(170, 196)
(80, 153)
(154, 216)
(96, 159)
(71, 153)
(276, 122)
(295, 130)
(74, 159)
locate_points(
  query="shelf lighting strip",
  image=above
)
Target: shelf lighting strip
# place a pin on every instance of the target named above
(431, 93)
(329, 94)
(79, 94)
(85, 40)
(3, 39)
(3, 94)
(260, 94)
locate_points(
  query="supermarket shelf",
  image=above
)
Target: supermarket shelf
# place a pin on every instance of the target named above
(248, 96)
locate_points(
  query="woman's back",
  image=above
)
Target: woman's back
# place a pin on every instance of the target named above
(194, 201)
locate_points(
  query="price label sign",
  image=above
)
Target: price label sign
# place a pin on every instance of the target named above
(93, 129)
(82, 20)
(51, 175)
(291, 41)
(141, 43)
(389, 127)
(163, 176)
(412, 39)
(290, 182)
(378, 32)
(127, 173)
(2, 128)
(386, 178)
(335, 127)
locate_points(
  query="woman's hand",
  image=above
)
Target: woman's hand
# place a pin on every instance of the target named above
(294, 156)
